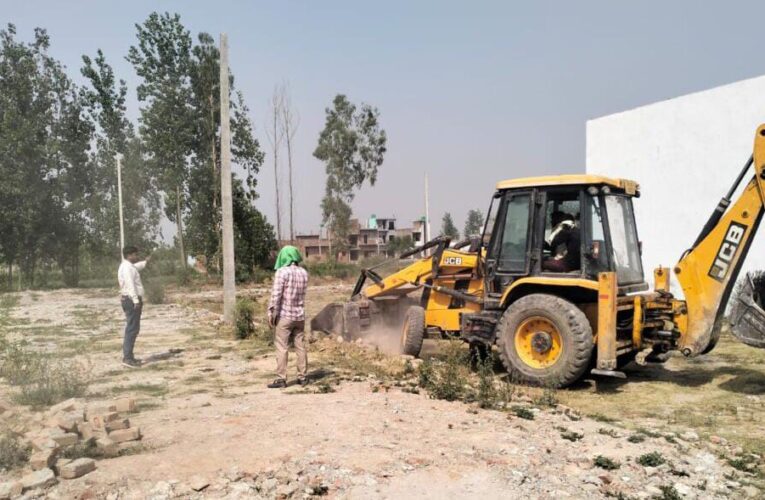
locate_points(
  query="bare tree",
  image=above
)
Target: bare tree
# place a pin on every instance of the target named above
(275, 133)
(290, 124)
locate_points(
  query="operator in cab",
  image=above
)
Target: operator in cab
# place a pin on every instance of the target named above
(564, 244)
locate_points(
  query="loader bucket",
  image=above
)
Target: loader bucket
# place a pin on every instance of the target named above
(358, 318)
(747, 312)
(341, 319)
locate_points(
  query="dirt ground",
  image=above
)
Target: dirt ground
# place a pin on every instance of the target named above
(209, 422)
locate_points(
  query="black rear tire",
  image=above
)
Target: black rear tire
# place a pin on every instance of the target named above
(413, 331)
(576, 340)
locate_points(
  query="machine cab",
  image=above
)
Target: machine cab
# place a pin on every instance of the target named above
(572, 226)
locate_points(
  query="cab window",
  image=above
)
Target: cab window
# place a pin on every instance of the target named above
(514, 241)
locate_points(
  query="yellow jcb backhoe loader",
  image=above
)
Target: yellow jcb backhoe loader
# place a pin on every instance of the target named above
(556, 306)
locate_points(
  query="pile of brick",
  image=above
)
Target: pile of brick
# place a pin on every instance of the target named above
(74, 428)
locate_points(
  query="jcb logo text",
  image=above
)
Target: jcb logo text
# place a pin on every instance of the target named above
(727, 251)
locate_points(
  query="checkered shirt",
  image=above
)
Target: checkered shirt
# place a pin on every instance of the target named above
(288, 295)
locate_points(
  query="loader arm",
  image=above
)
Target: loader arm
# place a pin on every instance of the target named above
(708, 271)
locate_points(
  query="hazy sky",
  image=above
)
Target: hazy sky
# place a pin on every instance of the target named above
(469, 92)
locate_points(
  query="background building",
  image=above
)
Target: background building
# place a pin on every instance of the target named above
(685, 153)
(367, 239)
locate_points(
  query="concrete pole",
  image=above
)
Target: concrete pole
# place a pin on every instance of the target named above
(426, 229)
(119, 199)
(229, 286)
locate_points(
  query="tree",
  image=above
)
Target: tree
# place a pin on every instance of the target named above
(162, 59)
(44, 167)
(290, 123)
(352, 146)
(397, 246)
(105, 101)
(275, 136)
(448, 228)
(254, 239)
(473, 223)
(203, 214)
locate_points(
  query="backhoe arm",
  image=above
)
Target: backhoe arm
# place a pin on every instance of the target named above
(707, 272)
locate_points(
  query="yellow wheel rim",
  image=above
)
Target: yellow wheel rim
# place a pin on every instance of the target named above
(538, 342)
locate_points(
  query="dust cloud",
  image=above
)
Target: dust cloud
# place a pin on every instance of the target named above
(385, 338)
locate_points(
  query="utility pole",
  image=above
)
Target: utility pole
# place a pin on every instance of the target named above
(229, 287)
(426, 228)
(119, 200)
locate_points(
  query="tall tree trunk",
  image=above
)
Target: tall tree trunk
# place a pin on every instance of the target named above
(276, 177)
(289, 166)
(216, 179)
(179, 222)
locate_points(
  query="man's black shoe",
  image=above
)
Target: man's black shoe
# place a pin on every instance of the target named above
(302, 381)
(131, 363)
(279, 383)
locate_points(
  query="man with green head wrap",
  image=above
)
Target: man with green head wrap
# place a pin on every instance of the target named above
(286, 313)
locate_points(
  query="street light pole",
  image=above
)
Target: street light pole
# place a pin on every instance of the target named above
(119, 200)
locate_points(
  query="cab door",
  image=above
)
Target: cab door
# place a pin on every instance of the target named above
(508, 252)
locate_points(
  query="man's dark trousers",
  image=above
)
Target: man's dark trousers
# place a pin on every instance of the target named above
(132, 326)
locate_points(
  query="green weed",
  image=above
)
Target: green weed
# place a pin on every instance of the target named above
(605, 463)
(653, 459)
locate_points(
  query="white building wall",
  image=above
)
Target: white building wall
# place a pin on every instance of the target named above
(685, 153)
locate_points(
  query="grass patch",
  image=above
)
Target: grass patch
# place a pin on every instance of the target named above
(324, 388)
(572, 436)
(155, 390)
(195, 379)
(648, 432)
(522, 412)
(608, 432)
(487, 391)
(84, 449)
(244, 313)
(636, 438)
(605, 463)
(13, 453)
(42, 380)
(599, 417)
(155, 291)
(653, 459)
(446, 379)
(747, 463)
(668, 492)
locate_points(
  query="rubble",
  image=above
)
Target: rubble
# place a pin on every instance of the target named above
(66, 425)
(77, 468)
(39, 479)
(10, 489)
(43, 459)
(123, 435)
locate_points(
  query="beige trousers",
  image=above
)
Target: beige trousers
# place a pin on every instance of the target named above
(286, 329)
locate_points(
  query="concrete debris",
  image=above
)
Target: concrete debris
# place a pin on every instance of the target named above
(125, 405)
(10, 489)
(107, 447)
(116, 425)
(77, 468)
(43, 459)
(39, 479)
(99, 420)
(65, 439)
(123, 435)
(198, 483)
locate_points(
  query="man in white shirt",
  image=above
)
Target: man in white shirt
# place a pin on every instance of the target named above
(131, 291)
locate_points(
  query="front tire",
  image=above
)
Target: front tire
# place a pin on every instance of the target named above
(413, 331)
(544, 340)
